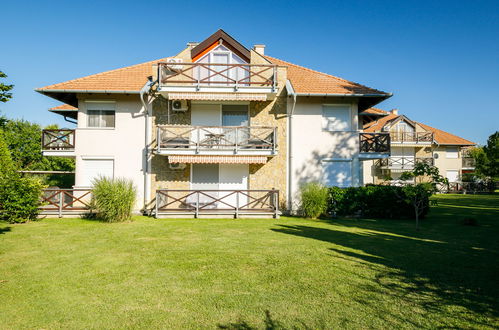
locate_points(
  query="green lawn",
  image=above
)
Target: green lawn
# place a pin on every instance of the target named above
(75, 273)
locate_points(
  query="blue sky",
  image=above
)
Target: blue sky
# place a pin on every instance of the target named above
(440, 59)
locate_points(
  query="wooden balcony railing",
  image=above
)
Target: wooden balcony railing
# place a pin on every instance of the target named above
(412, 137)
(58, 139)
(65, 201)
(395, 162)
(374, 142)
(233, 202)
(217, 75)
(236, 138)
(468, 162)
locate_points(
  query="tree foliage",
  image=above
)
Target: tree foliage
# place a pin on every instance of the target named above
(5, 89)
(487, 158)
(426, 178)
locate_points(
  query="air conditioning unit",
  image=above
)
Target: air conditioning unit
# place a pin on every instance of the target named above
(172, 64)
(177, 166)
(179, 105)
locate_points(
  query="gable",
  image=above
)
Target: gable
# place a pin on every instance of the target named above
(220, 38)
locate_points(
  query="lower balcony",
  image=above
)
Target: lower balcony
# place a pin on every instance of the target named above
(63, 202)
(58, 142)
(217, 140)
(402, 163)
(198, 203)
(374, 145)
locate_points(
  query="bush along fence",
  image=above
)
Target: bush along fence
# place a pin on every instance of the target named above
(374, 201)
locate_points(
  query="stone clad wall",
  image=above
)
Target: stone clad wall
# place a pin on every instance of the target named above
(162, 176)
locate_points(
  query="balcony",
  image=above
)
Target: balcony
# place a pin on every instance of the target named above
(217, 202)
(217, 140)
(374, 145)
(468, 163)
(62, 202)
(420, 138)
(402, 163)
(217, 78)
(58, 142)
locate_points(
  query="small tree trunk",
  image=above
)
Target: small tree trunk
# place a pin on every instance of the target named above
(416, 211)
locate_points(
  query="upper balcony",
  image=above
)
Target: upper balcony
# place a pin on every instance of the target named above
(217, 140)
(468, 163)
(58, 142)
(419, 138)
(218, 78)
(374, 145)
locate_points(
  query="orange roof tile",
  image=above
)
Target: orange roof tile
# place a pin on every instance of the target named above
(309, 81)
(130, 78)
(375, 111)
(441, 137)
(64, 107)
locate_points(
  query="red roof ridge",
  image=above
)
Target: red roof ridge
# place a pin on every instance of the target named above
(101, 73)
(324, 74)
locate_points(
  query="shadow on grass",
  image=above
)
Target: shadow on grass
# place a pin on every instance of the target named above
(269, 324)
(4, 230)
(444, 264)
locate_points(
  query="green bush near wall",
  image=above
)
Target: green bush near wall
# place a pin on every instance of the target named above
(113, 199)
(374, 201)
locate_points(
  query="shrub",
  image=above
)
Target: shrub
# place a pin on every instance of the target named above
(314, 197)
(376, 201)
(19, 198)
(114, 199)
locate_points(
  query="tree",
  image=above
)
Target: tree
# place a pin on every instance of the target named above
(487, 158)
(5, 94)
(6, 164)
(24, 143)
(426, 178)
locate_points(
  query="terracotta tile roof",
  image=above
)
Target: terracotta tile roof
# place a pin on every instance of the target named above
(130, 78)
(441, 137)
(375, 111)
(377, 125)
(63, 107)
(305, 80)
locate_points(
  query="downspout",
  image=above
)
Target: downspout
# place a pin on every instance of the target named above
(144, 91)
(291, 92)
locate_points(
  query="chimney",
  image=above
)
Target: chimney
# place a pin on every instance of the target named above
(260, 49)
(192, 44)
(394, 112)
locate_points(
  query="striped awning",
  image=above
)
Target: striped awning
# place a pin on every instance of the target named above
(217, 159)
(218, 96)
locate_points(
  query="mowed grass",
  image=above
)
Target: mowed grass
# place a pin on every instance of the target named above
(345, 273)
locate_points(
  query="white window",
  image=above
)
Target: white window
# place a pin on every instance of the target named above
(452, 152)
(100, 114)
(453, 175)
(337, 173)
(336, 118)
(95, 168)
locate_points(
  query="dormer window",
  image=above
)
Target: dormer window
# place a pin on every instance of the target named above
(225, 67)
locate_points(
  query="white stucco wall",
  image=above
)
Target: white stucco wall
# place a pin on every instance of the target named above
(311, 144)
(124, 143)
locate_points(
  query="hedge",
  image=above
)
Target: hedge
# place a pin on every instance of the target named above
(375, 201)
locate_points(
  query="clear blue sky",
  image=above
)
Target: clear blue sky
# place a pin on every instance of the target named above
(440, 59)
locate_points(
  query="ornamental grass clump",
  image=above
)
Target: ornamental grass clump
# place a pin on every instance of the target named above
(114, 199)
(314, 200)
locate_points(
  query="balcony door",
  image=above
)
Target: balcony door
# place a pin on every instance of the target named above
(222, 180)
(235, 119)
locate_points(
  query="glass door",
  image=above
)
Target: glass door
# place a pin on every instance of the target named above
(236, 119)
